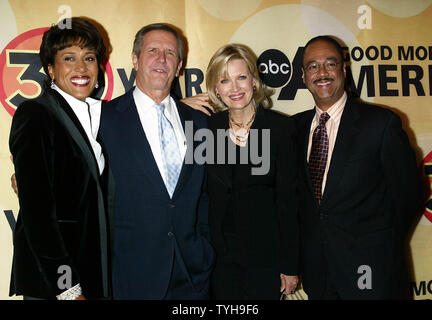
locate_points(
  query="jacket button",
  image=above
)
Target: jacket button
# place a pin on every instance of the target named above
(172, 206)
(170, 234)
(323, 216)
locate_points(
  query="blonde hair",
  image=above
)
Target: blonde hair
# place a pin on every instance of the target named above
(218, 67)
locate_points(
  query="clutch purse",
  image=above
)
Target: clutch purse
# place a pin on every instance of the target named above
(296, 295)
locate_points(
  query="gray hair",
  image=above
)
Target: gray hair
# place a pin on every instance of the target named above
(158, 26)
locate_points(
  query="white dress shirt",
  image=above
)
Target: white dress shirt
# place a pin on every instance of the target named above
(332, 127)
(150, 123)
(88, 113)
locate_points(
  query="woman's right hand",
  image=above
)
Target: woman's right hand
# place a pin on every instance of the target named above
(199, 102)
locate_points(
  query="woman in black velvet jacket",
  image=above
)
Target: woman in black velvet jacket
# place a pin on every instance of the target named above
(61, 239)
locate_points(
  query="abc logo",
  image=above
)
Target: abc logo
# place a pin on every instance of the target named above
(274, 68)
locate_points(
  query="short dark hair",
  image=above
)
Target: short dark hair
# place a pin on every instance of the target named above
(82, 33)
(327, 39)
(158, 26)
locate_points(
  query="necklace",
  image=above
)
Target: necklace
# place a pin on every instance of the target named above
(240, 135)
(242, 125)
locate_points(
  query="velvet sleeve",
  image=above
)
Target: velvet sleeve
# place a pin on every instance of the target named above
(32, 142)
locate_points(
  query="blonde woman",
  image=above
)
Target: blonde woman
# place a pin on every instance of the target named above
(252, 217)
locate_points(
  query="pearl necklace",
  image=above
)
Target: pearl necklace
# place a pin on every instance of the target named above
(240, 136)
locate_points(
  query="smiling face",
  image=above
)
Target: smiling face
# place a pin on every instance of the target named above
(158, 64)
(327, 87)
(236, 86)
(75, 71)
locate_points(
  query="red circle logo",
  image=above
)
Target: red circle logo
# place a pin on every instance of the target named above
(22, 75)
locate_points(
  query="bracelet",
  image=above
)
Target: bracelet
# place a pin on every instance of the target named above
(70, 294)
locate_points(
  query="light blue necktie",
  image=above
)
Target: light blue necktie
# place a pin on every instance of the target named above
(170, 151)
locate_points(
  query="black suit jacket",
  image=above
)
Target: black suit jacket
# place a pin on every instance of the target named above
(371, 196)
(264, 205)
(64, 216)
(152, 229)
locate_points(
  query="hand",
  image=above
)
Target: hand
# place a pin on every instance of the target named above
(288, 283)
(14, 183)
(81, 297)
(13, 180)
(199, 102)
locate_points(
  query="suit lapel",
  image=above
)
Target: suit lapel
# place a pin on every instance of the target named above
(108, 185)
(343, 148)
(222, 172)
(185, 116)
(140, 147)
(304, 132)
(68, 118)
(66, 107)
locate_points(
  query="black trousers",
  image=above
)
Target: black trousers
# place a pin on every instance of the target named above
(235, 279)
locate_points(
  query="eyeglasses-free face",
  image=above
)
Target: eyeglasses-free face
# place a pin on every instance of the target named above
(235, 88)
(75, 71)
(158, 64)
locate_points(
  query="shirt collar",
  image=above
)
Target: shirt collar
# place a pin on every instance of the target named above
(146, 103)
(71, 100)
(335, 111)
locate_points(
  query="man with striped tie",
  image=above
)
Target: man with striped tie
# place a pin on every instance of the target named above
(359, 187)
(161, 242)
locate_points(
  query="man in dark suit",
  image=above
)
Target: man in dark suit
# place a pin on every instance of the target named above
(161, 247)
(359, 187)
